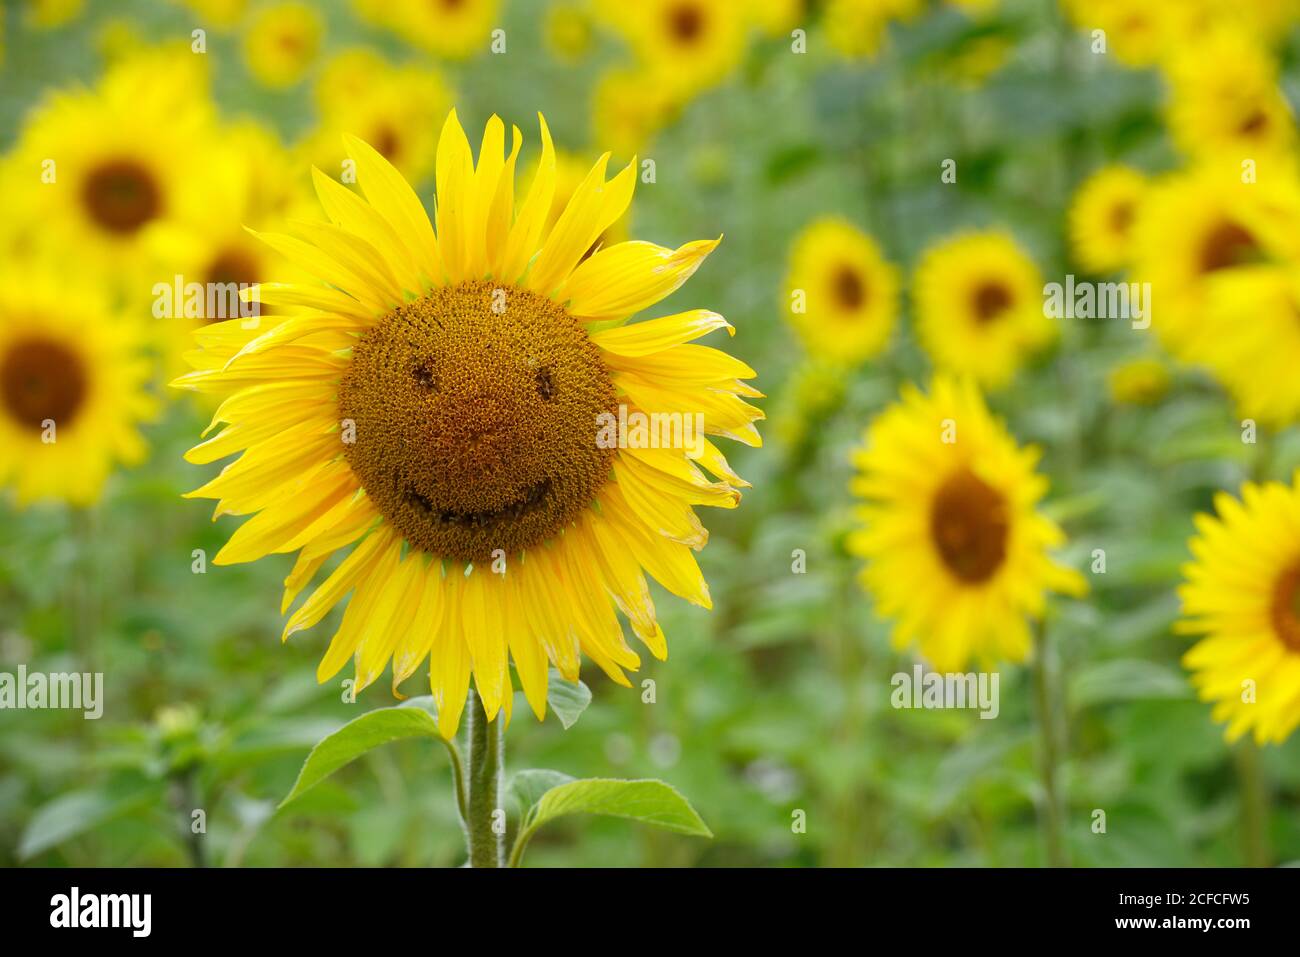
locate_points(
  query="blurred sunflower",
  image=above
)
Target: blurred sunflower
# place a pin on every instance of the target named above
(73, 380)
(1196, 226)
(1249, 339)
(628, 108)
(686, 46)
(1236, 106)
(107, 166)
(1139, 33)
(222, 15)
(396, 109)
(1241, 592)
(569, 30)
(52, 14)
(456, 29)
(1141, 381)
(957, 555)
(841, 295)
(1102, 217)
(979, 307)
(776, 18)
(857, 28)
(281, 43)
(439, 407)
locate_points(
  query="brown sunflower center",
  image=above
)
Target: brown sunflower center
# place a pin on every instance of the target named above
(121, 195)
(991, 300)
(42, 379)
(1121, 217)
(969, 525)
(386, 141)
(475, 413)
(1285, 610)
(850, 290)
(685, 22)
(1227, 245)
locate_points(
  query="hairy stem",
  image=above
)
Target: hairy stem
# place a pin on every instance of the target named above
(483, 786)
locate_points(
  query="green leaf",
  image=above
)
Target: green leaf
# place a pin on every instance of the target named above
(568, 699)
(529, 786)
(648, 801)
(411, 719)
(75, 813)
(1125, 680)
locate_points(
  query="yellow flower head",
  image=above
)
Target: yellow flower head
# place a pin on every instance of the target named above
(1143, 381)
(1241, 593)
(979, 307)
(100, 169)
(857, 28)
(397, 109)
(467, 410)
(73, 377)
(1195, 228)
(957, 555)
(685, 45)
(1224, 97)
(456, 29)
(282, 43)
(841, 295)
(569, 30)
(629, 106)
(1102, 217)
(1137, 32)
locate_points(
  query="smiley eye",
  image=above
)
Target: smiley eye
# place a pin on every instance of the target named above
(545, 384)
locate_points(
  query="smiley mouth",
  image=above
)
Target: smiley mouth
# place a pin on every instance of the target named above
(531, 501)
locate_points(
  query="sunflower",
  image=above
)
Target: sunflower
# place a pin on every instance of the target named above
(1249, 339)
(72, 385)
(282, 43)
(397, 109)
(1196, 227)
(1138, 33)
(569, 30)
(628, 108)
(570, 172)
(979, 307)
(1141, 381)
(857, 28)
(1241, 592)
(1102, 217)
(444, 409)
(456, 29)
(686, 46)
(1234, 106)
(107, 166)
(957, 555)
(221, 15)
(841, 295)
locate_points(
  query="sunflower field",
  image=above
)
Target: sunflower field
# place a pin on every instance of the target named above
(681, 433)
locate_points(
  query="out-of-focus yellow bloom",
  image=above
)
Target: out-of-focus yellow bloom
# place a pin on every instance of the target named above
(979, 307)
(222, 15)
(856, 28)
(569, 30)
(98, 169)
(1138, 33)
(397, 110)
(1102, 218)
(456, 29)
(1248, 336)
(281, 44)
(51, 14)
(570, 171)
(629, 106)
(1143, 381)
(975, 60)
(841, 294)
(685, 46)
(73, 377)
(957, 553)
(814, 391)
(1224, 96)
(1197, 226)
(1241, 594)
(776, 18)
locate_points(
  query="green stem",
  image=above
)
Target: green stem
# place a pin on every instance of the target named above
(1255, 850)
(458, 780)
(1050, 753)
(486, 758)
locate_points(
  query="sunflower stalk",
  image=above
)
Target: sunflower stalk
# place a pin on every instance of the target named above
(483, 834)
(1049, 757)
